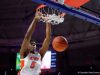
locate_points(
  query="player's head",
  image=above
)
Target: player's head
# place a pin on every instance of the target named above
(32, 46)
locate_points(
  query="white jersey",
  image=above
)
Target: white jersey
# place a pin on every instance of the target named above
(32, 65)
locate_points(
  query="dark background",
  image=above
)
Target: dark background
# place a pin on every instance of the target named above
(83, 37)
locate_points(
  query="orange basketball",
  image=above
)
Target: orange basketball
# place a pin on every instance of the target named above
(59, 43)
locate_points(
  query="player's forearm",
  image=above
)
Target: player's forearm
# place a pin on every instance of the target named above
(31, 29)
(48, 35)
(48, 31)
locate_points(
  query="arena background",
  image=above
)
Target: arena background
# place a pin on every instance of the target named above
(83, 37)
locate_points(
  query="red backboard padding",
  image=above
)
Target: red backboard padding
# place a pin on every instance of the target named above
(75, 3)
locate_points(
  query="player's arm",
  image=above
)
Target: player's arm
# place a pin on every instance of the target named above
(27, 37)
(46, 41)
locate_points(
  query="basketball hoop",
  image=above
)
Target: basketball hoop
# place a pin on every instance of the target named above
(50, 15)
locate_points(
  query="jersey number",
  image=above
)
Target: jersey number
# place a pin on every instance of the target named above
(32, 64)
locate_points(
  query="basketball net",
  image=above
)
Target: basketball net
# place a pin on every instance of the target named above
(50, 15)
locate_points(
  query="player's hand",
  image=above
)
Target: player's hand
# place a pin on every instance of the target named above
(38, 15)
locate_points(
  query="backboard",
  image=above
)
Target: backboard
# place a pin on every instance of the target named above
(71, 7)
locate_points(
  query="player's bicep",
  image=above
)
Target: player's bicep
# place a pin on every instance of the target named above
(44, 47)
(42, 52)
(24, 44)
(24, 47)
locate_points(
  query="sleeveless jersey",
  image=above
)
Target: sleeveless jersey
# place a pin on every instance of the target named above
(32, 65)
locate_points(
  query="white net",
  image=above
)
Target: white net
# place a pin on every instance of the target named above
(53, 19)
(51, 15)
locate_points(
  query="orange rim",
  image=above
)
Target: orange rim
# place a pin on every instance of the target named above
(40, 6)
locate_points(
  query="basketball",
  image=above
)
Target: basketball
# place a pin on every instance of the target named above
(60, 43)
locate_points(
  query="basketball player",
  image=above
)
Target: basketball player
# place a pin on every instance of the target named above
(31, 64)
